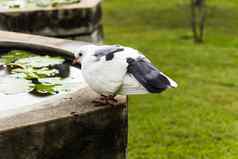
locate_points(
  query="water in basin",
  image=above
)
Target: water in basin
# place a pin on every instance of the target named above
(20, 101)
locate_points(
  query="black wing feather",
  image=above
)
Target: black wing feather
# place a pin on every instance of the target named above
(108, 52)
(149, 76)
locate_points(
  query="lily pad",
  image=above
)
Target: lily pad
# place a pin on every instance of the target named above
(39, 61)
(62, 2)
(60, 85)
(32, 73)
(23, 66)
(45, 89)
(14, 55)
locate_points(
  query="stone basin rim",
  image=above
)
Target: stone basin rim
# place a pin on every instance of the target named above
(85, 4)
(18, 45)
(28, 119)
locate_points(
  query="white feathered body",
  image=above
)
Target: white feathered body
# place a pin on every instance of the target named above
(111, 77)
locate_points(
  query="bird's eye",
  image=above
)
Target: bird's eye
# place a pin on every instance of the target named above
(80, 54)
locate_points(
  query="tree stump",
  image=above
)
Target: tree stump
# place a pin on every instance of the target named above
(66, 126)
(82, 21)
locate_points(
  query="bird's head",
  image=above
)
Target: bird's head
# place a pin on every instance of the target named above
(78, 58)
(83, 51)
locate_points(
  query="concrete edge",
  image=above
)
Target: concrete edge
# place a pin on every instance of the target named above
(85, 4)
(78, 103)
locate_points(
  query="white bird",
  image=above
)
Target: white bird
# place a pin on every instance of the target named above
(112, 69)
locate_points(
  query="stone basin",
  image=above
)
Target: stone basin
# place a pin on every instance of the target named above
(23, 102)
(61, 126)
(81, 21)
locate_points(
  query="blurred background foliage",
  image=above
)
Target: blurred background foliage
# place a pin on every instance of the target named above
(199, 119)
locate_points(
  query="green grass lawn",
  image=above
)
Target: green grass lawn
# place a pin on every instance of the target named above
(199, 119)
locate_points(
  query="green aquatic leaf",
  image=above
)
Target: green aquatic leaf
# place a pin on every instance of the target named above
(63, 85)
(63, 2)
(13, 3)
(43, 73)
(32, 73)
(45, 88)
(39, 61)
(14, 55)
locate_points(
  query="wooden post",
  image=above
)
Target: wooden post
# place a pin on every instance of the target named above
(62, 126)
(198, 16)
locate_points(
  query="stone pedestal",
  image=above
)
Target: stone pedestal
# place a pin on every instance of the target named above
(66, 126)
(81, 21)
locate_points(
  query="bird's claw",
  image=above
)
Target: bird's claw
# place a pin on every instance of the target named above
(105, 100)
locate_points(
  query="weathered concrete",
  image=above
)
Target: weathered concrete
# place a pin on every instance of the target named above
(73, 129)
(66, 126)
(81, 20)
(95, 37)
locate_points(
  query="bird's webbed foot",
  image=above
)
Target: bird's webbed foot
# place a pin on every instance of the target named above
(105, 100)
